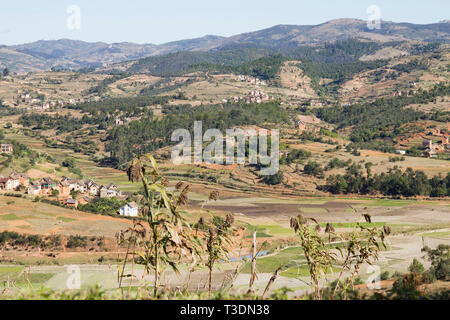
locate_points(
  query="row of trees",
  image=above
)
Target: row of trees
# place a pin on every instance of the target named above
(61, 123)
(14, 239)
(395, 182)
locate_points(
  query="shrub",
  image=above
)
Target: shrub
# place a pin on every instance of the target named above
(76, 242)
(295, 155)
(416, 267)
(407, 287)
(69, 163)
(384, 275)
(440, 261)
(13, 195)
(314, 169)
(273, 179)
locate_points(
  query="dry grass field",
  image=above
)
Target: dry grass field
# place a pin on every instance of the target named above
(56, 86)
(25, 216)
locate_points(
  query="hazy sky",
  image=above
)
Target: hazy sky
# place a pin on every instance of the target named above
(151, 21)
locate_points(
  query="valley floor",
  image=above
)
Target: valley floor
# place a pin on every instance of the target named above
(413, 223)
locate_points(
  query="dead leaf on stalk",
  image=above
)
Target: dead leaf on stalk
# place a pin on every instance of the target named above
(329, 228)
(214, 195)
(174, 235)
(179, 185)
(301, 219)
(294, 224)
(134, 171)
(314, 220)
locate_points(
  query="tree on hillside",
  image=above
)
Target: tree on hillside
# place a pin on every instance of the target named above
(314, 169)
(69, 163)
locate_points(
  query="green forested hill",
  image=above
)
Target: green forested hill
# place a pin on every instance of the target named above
(244, 58)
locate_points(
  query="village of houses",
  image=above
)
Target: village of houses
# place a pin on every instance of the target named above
(254, 96)
(64, 190)
(433, 149)
(36, 103)
(33, 100)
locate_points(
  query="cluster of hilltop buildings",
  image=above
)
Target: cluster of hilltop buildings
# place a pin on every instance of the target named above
(433, 149)
(252, 80)
(258, 96)
(64, 190)
(38, 104)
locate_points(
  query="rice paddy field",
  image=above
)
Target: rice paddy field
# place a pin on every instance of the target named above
(413, 224)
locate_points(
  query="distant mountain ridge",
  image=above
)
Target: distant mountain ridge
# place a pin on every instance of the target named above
(74, 54)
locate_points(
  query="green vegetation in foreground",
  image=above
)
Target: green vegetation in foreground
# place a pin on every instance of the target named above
(260, 232)
(291, 258)
(271, 263)
(37, 279)
(277, 230)
(302, 271)
(267, 231)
